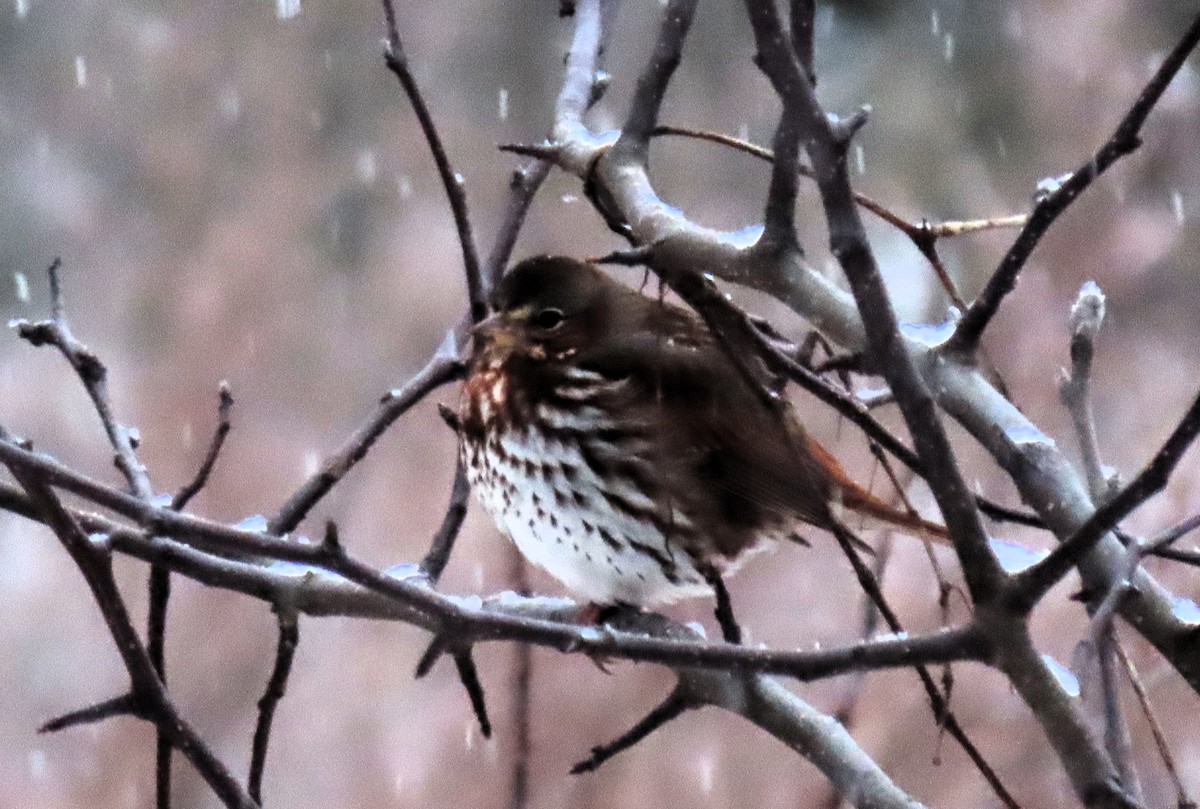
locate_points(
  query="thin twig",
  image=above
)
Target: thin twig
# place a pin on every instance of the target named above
(1182, 799)
(285, 652)
(672, 707)
(914, 230)
(224, 405)
(945, 718)
(443, 541)
(867, 627)
(1063, 192)
(397, 62)
(444, 366)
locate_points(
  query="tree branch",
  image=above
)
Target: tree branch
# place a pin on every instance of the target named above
(452, 181)
(1063, 191)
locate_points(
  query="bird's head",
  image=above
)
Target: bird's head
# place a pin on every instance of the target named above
(549, 307)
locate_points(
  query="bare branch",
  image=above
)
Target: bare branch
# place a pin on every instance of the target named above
(444, 366)
(676, 703)
(285, 651)
(95, 565)
(827, 145)
(1062, 192)
(452, 181)
(802, 13)
(634, 141)
(224, 405)
(1075, 389)
(94, 376)
(443, 541)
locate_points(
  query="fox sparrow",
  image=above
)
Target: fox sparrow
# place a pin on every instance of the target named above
(618, 445)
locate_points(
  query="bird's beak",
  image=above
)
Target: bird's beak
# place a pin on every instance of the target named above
(488, 326)
(492, 329)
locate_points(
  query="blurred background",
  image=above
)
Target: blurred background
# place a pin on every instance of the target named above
(239, 191)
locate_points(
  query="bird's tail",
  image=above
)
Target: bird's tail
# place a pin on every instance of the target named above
(857, 499)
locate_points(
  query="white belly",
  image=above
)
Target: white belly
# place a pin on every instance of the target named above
(551, 503)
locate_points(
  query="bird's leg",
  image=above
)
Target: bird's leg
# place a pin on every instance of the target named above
(593, 614)
(724, 612)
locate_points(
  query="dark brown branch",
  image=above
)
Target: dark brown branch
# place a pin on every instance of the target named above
(224, 405)
(285, 652)
(1034, 582)
(444, 366)
(159, 586)
(672, 707)
(730, 631)
(1124, 140)
(452, 181)
(521, 717)
(582, 87)
(522, 187)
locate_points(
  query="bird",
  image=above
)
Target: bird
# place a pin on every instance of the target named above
(615, 441)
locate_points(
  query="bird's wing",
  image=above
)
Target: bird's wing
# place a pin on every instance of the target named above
(712, 427)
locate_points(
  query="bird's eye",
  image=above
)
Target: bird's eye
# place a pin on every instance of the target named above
(548, 319)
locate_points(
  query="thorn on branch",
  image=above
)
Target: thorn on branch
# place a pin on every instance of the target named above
(432, 654)
(844, 129)
(438, 557)
(468, 675)
(450, 416)
(627, 258)
(124, 705)
(542, 151)
(331, 545)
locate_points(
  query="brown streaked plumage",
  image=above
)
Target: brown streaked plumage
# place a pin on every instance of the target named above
(616, 443)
